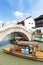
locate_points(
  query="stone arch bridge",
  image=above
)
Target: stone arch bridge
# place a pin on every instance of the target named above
(4, 31)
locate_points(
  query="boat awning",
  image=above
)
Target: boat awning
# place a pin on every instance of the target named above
(25, 43)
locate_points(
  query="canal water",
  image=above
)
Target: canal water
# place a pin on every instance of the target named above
(18, 61)
(5, 43)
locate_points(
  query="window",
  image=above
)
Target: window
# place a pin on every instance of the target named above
(32, 23)
(29, 23)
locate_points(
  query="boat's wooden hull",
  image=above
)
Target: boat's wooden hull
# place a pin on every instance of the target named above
(29, 56)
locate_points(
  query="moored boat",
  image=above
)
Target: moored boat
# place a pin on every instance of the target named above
(34, 55)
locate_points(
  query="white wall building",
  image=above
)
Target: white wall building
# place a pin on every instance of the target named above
(30, 23)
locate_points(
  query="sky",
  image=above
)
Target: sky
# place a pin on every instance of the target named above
(16, 10)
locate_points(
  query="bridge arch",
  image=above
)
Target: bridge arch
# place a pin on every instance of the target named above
(14, 28)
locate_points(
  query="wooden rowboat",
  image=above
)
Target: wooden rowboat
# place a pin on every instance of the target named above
(39, 54)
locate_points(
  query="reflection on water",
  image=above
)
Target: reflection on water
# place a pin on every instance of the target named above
(5, 43)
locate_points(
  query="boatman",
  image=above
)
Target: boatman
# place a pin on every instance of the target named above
(37, 46)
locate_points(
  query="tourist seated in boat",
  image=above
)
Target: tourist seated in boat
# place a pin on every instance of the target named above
(12, 50)
(15, 48)
(30, 51)
(26, 51)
